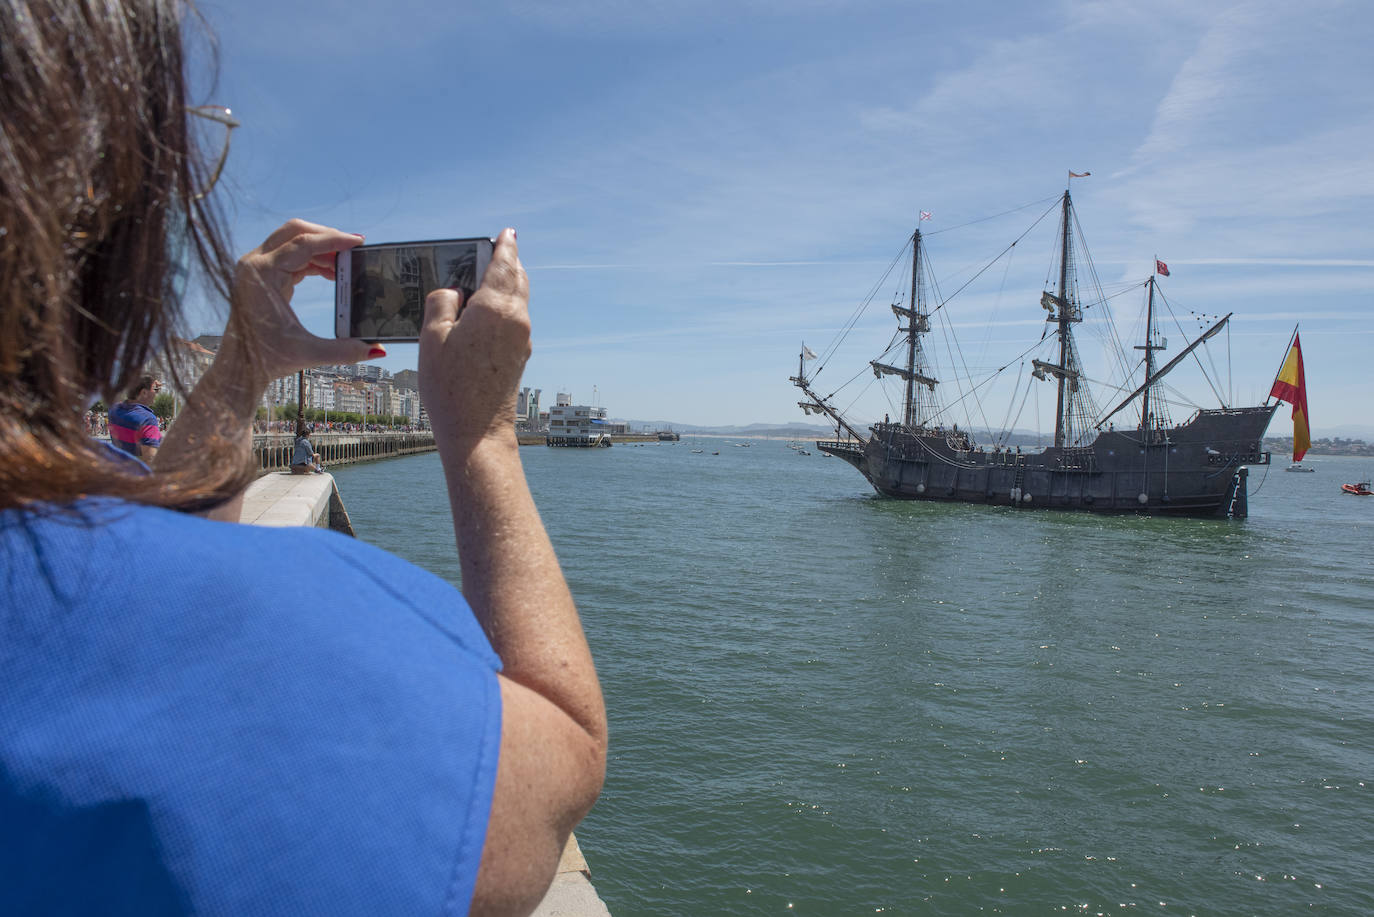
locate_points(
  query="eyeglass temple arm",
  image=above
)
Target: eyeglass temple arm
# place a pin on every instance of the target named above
(222, 116)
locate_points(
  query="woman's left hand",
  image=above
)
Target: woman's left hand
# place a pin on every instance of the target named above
(261, 316)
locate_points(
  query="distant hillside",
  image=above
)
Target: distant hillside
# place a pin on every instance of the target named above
(799, 430)
(816, 431)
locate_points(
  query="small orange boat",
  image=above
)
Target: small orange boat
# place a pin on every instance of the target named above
(1360, 490)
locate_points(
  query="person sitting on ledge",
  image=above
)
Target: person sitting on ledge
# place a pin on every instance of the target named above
(304, 458)
(293, 721)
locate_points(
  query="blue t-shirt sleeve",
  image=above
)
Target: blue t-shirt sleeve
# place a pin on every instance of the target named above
(288, 721)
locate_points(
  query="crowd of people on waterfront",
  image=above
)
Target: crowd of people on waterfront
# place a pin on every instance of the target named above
(98, 426)
(264, 427)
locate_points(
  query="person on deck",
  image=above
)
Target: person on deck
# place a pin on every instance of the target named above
(296, 722)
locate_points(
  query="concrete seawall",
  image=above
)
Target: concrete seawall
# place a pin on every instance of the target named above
(272, 451)
(280, 498)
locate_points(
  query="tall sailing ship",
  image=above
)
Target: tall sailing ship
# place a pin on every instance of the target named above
(1129, 458)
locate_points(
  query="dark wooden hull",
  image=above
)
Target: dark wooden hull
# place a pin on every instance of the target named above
(1197, 468)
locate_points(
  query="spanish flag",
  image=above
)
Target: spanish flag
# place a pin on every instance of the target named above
(1290, 385)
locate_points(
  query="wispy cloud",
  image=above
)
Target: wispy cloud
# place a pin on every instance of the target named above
(1279, 262)
(698, 186)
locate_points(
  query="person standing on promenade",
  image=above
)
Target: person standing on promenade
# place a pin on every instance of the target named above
(133, 425)
(249, 742)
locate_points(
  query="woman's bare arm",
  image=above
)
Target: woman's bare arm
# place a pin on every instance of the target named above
(263, 341)
(553, 737)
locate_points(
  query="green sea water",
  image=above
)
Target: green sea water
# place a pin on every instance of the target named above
(822, 702)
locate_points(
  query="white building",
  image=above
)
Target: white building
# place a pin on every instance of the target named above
(349, 397)
(409, 401)
(280, 392)
(319, 391)
(527, 409)
(577, 424)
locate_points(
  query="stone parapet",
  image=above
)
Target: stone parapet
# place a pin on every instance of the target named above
(281, 498)
(272, 451)
(572, 894)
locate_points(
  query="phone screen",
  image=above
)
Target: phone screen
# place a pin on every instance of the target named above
(382, 288)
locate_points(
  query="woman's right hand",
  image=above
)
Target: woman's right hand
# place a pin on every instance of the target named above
(473, 353)
(261, 309)
(552, 758)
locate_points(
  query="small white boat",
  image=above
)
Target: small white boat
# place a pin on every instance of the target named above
(1299, 466)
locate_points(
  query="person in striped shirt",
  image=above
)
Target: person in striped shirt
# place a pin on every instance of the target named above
(133, 425)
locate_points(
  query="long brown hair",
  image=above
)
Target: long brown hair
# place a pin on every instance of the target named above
(99, 213)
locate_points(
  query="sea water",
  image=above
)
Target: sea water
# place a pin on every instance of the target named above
(824, 702)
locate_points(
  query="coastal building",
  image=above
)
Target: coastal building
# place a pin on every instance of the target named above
(185, 361)
(527, 409)
(280, 392)
(319, 391)
(577, 424)
(410, 407)
(381, 399)
(369, 372)
(350, 397)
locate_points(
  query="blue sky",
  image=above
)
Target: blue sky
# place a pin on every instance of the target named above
(700, 187)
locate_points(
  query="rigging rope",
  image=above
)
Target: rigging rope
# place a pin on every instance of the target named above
(1197, 359)
(995, 215)
(995, 373)
(858, 313)
(1117, 349)
(998, 257)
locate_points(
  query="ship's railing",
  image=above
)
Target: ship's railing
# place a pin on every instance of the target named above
(841, 445)
(1078, 458)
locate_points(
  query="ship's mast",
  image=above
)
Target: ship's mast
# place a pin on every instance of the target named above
(1064, 312)
(1149, 349)
(917, 323)
(1064, 319)
(909, 406)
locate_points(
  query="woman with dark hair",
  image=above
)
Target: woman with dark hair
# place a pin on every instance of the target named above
(199, 716)
(304, 458)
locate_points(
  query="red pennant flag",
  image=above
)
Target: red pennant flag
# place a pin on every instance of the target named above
(1291, 385)
(1161, 268)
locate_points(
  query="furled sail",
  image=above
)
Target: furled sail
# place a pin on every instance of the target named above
(884, 369)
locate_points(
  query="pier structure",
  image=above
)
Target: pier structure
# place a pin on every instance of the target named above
(272, 451)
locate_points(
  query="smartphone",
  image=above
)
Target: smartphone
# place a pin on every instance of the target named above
(380, 290)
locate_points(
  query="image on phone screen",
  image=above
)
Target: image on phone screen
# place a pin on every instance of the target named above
(388, 284)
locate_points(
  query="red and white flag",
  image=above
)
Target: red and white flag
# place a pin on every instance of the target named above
(1161, 268)
(925, 214)
(1073, 174)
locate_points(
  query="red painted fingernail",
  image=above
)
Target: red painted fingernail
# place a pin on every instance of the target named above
(376, 352)
(358, 234)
